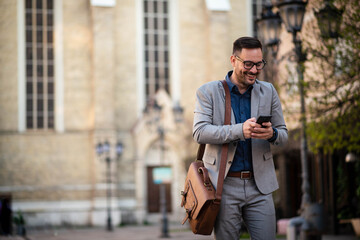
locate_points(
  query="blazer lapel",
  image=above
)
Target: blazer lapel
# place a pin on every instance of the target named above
(255, 99)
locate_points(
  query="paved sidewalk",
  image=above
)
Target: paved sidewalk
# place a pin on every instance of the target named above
(128, 233)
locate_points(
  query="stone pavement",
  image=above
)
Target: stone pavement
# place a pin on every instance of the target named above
(128, 232)
(151, 232)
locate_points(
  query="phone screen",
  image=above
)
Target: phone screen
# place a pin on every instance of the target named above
(262, 119)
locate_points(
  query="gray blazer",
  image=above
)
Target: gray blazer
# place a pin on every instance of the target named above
(209, 129)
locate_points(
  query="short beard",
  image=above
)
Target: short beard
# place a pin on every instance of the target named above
(249, 73)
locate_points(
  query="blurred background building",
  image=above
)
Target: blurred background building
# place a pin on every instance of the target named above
(78, 73)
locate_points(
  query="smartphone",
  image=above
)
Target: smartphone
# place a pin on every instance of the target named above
(261, 119)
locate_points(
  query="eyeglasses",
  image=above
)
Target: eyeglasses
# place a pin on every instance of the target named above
(249, 64)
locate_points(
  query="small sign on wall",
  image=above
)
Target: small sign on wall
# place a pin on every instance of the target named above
(162, 175)
(218, 5)
(103, 3)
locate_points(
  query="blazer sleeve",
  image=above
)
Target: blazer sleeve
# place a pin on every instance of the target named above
(208, 127)
(278, 121)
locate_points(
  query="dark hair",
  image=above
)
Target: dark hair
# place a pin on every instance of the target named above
(246, 42)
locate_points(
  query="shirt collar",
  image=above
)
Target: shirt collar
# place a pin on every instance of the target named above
(233, 87)
(230, 84)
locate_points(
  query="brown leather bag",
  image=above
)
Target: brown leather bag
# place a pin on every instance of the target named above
(199, 198)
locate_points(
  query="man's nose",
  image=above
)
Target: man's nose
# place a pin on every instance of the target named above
(253, 69)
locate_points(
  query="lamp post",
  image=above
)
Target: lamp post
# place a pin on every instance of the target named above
(329, 20)
(155, 111)
(292, 15)
(119, 148)
(163, 203)
(103, 150)
(269, 28)
(178, 113)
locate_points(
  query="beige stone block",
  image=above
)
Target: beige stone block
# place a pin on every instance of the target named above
(78, 76)
(8, 63)
(46, 160)
(125, 65)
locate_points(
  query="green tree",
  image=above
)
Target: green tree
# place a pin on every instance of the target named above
(333, 90)
(333, 82)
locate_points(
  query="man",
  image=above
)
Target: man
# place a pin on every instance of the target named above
(250, 174)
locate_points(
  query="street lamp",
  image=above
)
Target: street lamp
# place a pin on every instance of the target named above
(178, 113)
(292, 14)
(163, 203)
(351, 158)
(119, 149)
(157, 109)
(103, 149)
(329, 20)
(269, 27)
(161, 174)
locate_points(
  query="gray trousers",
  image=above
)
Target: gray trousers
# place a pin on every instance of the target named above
(242, 201)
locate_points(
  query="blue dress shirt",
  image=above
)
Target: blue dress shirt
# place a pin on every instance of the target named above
(241, 106)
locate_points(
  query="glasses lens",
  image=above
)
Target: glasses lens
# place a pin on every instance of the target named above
(260, 65)
(248, 64)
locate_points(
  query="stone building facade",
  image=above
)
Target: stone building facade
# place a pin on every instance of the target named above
(77, 73)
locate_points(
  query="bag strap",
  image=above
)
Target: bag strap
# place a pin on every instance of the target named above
(200, 152)
(225, 147)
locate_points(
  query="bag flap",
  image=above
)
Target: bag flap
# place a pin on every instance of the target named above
(189, 199)
(196, 194)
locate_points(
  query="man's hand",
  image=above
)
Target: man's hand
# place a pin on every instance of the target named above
(253, 130)
(264, 132)
(248, 127)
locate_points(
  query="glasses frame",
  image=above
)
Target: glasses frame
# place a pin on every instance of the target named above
(252, 63)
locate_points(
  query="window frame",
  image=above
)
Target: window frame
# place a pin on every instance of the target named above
(39, 54)
(156, 42)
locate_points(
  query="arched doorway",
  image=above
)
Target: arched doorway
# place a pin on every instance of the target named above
(160, 141)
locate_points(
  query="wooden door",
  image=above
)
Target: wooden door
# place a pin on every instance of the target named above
(153, 193)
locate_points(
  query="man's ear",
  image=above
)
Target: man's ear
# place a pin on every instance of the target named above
(232, 60)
